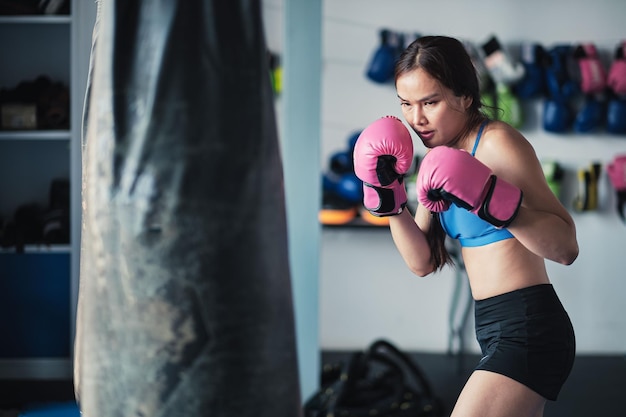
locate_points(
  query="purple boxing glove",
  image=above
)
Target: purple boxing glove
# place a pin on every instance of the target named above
(448, 175)
(383, 153)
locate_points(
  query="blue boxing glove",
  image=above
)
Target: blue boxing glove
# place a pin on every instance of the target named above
(616, 116)
(381, 67)
(533, 84)
(591, 115)
(557, 114)
(345, 186)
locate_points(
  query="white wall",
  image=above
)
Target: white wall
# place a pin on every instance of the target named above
(365, 289)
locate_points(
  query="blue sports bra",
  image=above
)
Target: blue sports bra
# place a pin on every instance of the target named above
(467, 227)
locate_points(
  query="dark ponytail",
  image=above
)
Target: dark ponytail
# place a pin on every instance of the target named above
(436, 238)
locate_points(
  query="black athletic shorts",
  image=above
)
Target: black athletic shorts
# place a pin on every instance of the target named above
(528, 336)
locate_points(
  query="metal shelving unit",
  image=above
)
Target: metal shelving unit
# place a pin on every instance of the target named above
(38, 287)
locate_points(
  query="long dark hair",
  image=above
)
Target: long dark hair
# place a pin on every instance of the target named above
(446, 60)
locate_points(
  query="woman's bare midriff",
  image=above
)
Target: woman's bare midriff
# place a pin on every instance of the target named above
(502, 267)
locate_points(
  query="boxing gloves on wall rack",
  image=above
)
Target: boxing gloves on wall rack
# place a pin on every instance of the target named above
(580, 94)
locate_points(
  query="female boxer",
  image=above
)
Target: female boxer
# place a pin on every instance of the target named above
(481, 183)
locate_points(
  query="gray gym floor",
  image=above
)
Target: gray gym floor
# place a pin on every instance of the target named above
(595, 388)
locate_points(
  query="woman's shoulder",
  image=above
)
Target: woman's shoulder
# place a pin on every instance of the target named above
(499, 137)
(501, 129)
(504, 148)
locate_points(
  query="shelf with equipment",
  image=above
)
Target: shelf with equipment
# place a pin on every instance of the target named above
(39, 135)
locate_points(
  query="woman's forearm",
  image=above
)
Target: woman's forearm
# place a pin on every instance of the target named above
(546, 235)
(411, 243)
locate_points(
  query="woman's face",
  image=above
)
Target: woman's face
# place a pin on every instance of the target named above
(432, 110)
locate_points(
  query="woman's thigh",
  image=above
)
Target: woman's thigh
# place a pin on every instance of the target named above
(489, 394)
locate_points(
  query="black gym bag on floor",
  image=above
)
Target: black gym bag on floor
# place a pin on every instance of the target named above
(381, 381)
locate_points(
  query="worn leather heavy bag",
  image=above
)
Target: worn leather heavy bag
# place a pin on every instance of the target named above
(185, 304)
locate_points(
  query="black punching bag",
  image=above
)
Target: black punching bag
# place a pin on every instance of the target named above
(185, 304)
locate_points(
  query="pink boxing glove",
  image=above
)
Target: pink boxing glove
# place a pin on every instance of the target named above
(448, 175)
(616, 171)
(617, 71)
(592, 73)
(383, 153)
